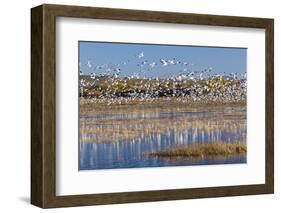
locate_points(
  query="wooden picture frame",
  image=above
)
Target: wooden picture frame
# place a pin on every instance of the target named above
(43, 105)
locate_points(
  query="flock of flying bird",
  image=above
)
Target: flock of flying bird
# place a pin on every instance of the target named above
(205, 84)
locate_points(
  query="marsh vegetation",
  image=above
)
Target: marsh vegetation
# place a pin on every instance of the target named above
(202, 150)
(138, 135)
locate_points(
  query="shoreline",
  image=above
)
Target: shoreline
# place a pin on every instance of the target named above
(101, 106)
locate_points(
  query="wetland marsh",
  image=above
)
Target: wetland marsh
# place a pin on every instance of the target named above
(153, 108)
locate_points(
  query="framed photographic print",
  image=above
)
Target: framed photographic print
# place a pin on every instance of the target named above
(136, 106)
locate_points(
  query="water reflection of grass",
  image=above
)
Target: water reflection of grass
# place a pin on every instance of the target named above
(125, 123)
(127, 129)
(203, 150)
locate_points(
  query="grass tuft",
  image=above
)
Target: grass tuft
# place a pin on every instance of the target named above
(203, 150)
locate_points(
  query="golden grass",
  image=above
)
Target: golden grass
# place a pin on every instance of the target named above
(203, 150)
(87, 103)
(90, 107)
(139, 124)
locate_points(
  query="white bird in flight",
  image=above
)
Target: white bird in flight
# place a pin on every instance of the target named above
(89, 64)
(164, 63)
(153, 64)
(172, 61)
(140, 55)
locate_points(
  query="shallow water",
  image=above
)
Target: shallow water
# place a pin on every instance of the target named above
(121, 140)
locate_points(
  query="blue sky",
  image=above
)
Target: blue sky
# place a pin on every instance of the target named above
(152, 60)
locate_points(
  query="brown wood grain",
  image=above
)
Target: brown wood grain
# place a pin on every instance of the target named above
(43, 105)
(36, 106)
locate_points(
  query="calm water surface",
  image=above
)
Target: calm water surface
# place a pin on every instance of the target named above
(121, 140)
